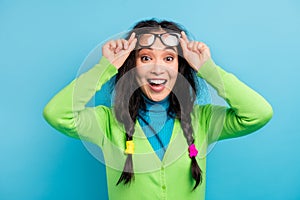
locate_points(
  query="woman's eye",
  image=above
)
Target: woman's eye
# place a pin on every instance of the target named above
(169, 58)
(145, 58)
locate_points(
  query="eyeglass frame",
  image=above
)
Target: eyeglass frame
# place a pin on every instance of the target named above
(177, 35)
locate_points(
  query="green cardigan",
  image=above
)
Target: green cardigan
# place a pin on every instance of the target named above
(155, 179)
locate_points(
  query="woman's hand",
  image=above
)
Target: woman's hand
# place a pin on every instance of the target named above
(117, 51)
(196, 53)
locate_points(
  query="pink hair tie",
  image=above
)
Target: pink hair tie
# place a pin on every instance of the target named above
(193, 151)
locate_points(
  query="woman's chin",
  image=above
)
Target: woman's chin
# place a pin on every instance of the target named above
(157, 96)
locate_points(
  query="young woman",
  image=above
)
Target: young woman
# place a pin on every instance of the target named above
(154, 138)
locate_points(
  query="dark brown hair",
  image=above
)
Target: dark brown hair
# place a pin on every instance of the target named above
(127, 113)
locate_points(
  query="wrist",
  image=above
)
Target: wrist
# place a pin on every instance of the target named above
(205, 68)
(104, 61)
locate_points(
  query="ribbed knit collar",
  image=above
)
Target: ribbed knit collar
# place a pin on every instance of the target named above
(156, 106)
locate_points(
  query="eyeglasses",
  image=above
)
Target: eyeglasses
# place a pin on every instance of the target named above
(168, 39)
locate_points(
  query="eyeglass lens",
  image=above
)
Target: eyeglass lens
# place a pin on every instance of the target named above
(168, 39)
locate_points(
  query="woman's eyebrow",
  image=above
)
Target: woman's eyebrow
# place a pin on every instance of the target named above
(145, 48)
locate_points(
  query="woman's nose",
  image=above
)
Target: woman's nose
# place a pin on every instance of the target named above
(157, 68)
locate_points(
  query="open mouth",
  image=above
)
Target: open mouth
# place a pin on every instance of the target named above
(155, 82)
(157, 85)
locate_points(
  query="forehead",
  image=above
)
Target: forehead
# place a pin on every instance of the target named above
(158, 49)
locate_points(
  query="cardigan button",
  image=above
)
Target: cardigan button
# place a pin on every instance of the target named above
(163, 187)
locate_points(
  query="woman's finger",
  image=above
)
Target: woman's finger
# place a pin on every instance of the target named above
(132, 36)
(203, 47)
(200, 47)
(184, 37)
(195, 47)
(112, 45)
(132, 44)
(190, 45)
(183, 44)
(119, 46)
(125, 44)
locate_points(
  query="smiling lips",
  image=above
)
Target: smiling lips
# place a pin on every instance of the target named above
(157, 85)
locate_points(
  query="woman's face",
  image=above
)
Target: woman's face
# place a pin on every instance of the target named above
(157, 69)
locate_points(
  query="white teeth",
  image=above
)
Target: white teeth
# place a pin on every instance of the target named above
(157, 81)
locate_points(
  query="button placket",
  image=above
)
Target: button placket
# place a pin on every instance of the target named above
(163, 182)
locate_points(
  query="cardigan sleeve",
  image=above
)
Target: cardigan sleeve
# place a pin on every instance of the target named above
(67, 111)
(247, 112)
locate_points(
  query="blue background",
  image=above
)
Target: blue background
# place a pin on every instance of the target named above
(43, 43)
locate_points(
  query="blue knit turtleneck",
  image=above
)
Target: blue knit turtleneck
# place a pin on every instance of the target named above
(156, 115)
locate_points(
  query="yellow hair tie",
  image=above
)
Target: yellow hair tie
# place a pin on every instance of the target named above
(129, 147)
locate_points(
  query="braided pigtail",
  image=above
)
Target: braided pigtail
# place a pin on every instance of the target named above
(185, 88)
(128, 173)
(187, 130)
(128, 119)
